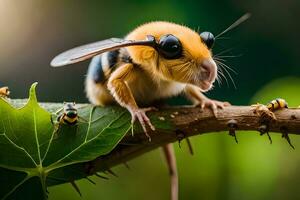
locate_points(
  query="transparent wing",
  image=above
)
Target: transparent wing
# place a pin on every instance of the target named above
(87, 51)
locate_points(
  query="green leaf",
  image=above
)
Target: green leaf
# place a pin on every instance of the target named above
(31, 149)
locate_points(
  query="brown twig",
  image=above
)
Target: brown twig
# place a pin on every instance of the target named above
(190, 121)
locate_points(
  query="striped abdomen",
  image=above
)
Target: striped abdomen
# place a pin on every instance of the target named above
(102, 66)
(277, 104)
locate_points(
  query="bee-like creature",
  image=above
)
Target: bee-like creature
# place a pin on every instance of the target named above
(156, 60)
(4, 92)
(277, 104)
(69, 114)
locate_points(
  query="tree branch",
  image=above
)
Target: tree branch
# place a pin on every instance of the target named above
(186, 121)
(190, 121)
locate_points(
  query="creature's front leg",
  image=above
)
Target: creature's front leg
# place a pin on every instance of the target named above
(122, 94)
(194, 93)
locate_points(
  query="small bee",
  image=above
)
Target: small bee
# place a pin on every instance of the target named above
(69, 115)
(277, 104)
(4, 92)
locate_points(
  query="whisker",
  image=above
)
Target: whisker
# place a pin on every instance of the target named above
(224, 51)
(232, 56)
(223, 75)
(235, 24)
(223, 38)
(219, 59)
(229, 68)
(187, 74)
(219, 80)
(229, 75)
(223, 67)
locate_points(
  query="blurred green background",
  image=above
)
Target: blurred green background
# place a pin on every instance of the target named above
(267, 46)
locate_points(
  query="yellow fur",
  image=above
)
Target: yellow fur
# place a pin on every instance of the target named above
(156, 77)
(179, 70)
(98, 94)
(193, 47)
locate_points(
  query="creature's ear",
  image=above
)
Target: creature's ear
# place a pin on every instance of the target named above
(87, 51)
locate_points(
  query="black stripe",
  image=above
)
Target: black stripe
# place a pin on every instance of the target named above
(95, 71)
(70, 109)
(112, 58)
(278, 102)
(70, 123)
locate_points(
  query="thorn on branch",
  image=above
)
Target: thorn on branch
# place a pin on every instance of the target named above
(190, 146)
(75, 187)
(111, 172)
(100, 176)
(90, 180)
(232, 125)
(180, 136)
(264, 129)
(285, 135)
(89, 168)
(126, 165)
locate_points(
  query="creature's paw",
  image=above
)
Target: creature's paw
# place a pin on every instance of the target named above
(140, 115)
(213, 105)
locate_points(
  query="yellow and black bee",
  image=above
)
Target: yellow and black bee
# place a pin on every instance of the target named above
(4, 92)
(69, 115)
(277, 104)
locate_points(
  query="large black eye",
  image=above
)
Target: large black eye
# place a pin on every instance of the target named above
(170, 47)
(71, 114)
(208, 39)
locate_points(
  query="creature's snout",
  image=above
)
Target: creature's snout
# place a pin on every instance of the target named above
(208, 73)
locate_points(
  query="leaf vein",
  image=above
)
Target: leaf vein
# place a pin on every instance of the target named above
(89, 126)
(36, 136)
(21, 148)
(51, 167)
(16, 187)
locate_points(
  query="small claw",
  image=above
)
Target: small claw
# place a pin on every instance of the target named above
(147, 120)
(202, 105)
(214, 109)
(213, 105)
(133, 118)
(140, 114)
